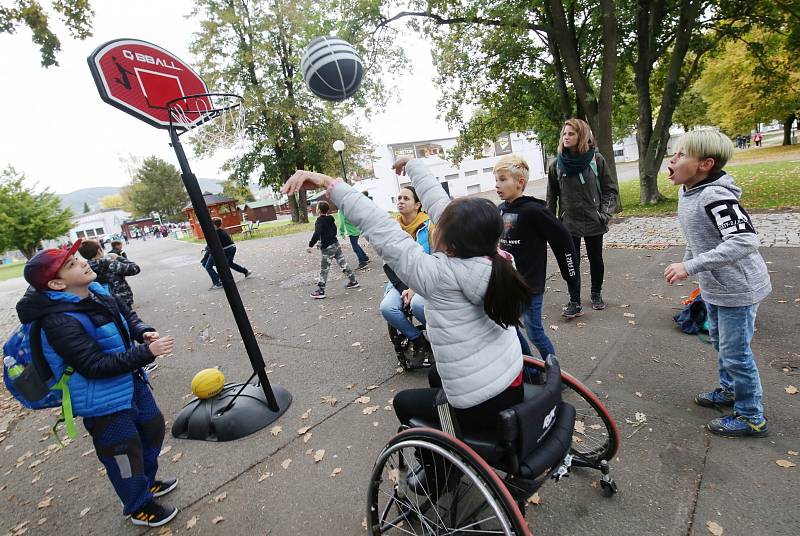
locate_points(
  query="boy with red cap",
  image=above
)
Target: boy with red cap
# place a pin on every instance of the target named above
(106, 344)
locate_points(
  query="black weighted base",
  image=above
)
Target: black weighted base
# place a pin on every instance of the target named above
(205, 419)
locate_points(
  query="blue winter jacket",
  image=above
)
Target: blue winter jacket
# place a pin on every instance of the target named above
(95, 338)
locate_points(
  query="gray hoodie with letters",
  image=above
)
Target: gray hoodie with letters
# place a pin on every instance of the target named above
(721, 243)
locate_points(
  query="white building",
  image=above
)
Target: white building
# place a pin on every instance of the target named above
(471, 176)
(96, 223)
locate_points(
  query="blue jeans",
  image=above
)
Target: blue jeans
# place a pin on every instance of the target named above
(731, 330)
(532, 318)
(360, 254)
(208, 264)
(392, 311)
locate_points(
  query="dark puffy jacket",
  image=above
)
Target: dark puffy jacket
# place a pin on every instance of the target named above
(112, 273)
(584, 205)
(95, 339)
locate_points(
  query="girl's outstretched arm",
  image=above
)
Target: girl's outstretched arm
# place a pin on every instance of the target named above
(412, 265)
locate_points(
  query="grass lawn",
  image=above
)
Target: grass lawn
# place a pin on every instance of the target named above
(765, 185)
(11, 271)
(775, 152)
(269, 229)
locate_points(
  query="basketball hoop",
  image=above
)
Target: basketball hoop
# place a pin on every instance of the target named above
(220, 114)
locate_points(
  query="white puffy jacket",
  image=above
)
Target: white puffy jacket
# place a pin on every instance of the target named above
(476, 358)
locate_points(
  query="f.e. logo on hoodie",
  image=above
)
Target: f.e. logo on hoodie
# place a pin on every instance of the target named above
(729, 217)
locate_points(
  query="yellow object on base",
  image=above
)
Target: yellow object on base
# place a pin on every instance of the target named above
(207, 383)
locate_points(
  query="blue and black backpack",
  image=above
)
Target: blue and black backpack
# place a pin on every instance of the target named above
(693, 317)
(37, 387)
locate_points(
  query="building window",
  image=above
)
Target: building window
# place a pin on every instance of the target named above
(394, 200)
(488, 170)
(81, 234)
(99, 231)
(451, 177)
(619, 152)
(473, 189)
(471, 173)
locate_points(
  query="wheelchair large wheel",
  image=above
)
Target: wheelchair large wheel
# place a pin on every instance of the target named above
(464, 495)
(596, 436)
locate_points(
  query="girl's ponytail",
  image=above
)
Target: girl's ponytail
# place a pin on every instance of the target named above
(508, 295)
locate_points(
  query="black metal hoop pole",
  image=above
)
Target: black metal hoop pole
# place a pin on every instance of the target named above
(221, 262)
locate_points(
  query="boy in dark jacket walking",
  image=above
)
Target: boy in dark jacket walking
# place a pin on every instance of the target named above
(106, 344)
(111, 271)
(722, 251)
(528, 227)
(230, 251)
(325, 233)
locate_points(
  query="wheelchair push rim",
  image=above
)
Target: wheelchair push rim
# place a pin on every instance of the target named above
(469, 498)
(596, 436)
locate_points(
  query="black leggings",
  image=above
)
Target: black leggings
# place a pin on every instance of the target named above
(594, 250)
(421, 403)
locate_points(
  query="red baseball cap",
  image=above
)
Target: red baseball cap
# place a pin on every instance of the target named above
(44, 266)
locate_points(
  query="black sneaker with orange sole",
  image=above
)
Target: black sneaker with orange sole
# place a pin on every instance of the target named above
(153, 514)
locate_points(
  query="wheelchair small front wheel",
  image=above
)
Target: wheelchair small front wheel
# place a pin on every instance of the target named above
(428, 482)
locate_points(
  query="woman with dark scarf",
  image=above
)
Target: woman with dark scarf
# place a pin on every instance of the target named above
(582, 193)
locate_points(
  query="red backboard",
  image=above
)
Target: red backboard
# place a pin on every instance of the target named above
(141, 78)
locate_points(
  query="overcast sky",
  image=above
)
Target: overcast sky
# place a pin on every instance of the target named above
(58, 132)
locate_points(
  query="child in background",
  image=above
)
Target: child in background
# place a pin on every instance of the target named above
(722, 251)
(111, 270)
(106, 344)
(325, 234)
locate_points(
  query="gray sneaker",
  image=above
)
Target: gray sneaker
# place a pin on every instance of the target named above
(572, 310)
(597, 301)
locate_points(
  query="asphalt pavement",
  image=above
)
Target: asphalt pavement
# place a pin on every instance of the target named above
(673, 476)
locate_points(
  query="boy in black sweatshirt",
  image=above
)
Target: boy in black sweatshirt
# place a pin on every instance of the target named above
(528, 227)
(325, 233)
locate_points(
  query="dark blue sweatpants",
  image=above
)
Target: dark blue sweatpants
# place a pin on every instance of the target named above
(128, 443)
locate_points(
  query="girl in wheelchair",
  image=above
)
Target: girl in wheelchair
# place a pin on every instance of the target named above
(474, 298)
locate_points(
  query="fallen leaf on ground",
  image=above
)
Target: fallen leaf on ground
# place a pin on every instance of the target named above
(371, 387)
(84, 512)
(221, 497)
(580, 427)
(714, 528)
(285, 463)
(303, 430)
(264, 477)
(165, 450)
(275, 430)
(318, 455)
(356, 344)
(218, 519)
(362, 400)
(191, 523)
(535, 499)
(306, 437)
(637, 393)
(44, 503)
(370, 410)
(165, 531)
(349, 386)
(792, 452)
(330, 400)
(786, 464)
(554, 327)
(306, 414)
(336, 472)
(640, 417)
(792, 390)
(629, 315)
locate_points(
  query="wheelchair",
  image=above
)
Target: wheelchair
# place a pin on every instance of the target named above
(402, 346)
(479, 483)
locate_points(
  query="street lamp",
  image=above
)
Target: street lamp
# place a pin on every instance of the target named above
(338, 146)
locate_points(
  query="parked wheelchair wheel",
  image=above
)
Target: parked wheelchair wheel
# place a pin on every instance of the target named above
(596, 436)
(458, 494)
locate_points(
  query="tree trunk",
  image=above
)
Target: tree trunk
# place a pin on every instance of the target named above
(787, 130)
(294, 208)
(302, 211)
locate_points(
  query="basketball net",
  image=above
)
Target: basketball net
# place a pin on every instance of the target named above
(214, 120)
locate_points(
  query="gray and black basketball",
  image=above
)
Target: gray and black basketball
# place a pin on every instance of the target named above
(332, 68)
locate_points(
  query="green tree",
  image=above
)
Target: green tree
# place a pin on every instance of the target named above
(86, 207)
(114, 201)
(692, 110)
(766, 79)
(156, 187)
(237, 190)
(27, 217)
(254, 48)
(75, 14)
